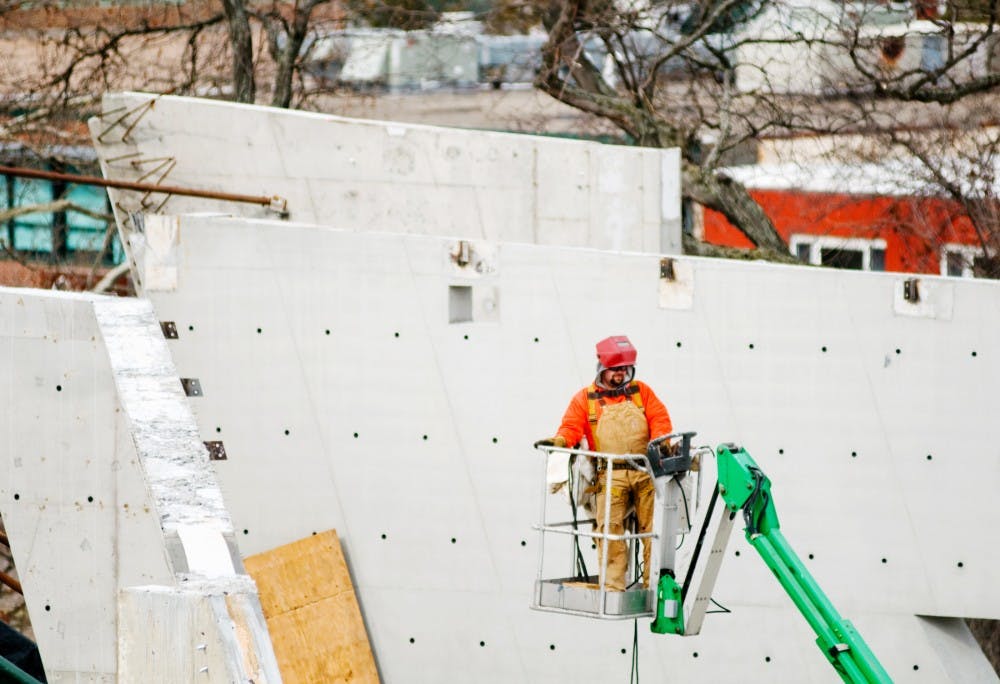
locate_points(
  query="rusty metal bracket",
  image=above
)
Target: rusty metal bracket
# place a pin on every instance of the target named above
(143, 109)
(169, 329)
(192, 387)
(667, 269)
(216, 451)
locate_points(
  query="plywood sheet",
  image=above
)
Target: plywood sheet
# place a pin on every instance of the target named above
(312, 613)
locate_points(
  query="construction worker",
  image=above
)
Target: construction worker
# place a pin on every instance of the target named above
(616, 414)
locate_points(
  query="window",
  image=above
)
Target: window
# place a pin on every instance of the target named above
(857, 254)
(842, 258)
(34, 233)
(959, 260)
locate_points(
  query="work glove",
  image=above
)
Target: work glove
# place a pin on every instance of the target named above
(557, 441)
(667, 459)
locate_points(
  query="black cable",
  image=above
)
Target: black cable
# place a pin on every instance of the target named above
(687, 516)
(638, 566)
(748, 507)
(751, 506)
(581, 565)
(723, 608)
(701, 541)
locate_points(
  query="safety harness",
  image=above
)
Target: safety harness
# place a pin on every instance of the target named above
(597, 396)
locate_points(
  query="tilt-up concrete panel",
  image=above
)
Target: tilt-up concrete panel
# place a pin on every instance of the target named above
(114, 516)
(366, 175)
(354, 390)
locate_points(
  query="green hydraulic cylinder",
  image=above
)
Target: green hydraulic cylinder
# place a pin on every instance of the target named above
(668, 594)
(744, 486)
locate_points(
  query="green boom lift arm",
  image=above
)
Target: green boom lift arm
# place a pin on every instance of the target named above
(744, 486)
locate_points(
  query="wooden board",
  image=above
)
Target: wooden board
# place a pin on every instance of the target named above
(312, 612)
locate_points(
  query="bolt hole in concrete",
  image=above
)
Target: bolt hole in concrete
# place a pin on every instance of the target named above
(58, 388)
(191, 328)
(259, 331)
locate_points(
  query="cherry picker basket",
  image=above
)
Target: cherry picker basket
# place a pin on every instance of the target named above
(579, 592)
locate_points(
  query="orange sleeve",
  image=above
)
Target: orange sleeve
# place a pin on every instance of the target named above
(575, 421)
(656, 413)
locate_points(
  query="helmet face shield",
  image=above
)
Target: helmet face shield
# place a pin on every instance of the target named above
(616, 351)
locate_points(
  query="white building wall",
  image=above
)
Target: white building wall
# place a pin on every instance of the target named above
(365, 175)
(107, 493)
(347, 399)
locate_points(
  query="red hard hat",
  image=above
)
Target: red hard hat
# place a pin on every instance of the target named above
(616, 351)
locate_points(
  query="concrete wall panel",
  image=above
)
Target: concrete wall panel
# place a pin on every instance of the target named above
(106, 483)
(363, 175)
(411, 434)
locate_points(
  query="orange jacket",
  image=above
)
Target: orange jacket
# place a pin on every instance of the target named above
(576, 421)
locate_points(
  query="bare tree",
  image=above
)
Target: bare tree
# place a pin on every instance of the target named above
(731, 72)
(241, 44)
(960, 164)
(286, 37)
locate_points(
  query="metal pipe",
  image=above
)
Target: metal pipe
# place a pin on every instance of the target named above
(142, 187)
(11, 582)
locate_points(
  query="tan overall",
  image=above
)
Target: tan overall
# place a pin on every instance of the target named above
(622, 429)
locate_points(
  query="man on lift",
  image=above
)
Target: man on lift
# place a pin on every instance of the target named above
(617, 415)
